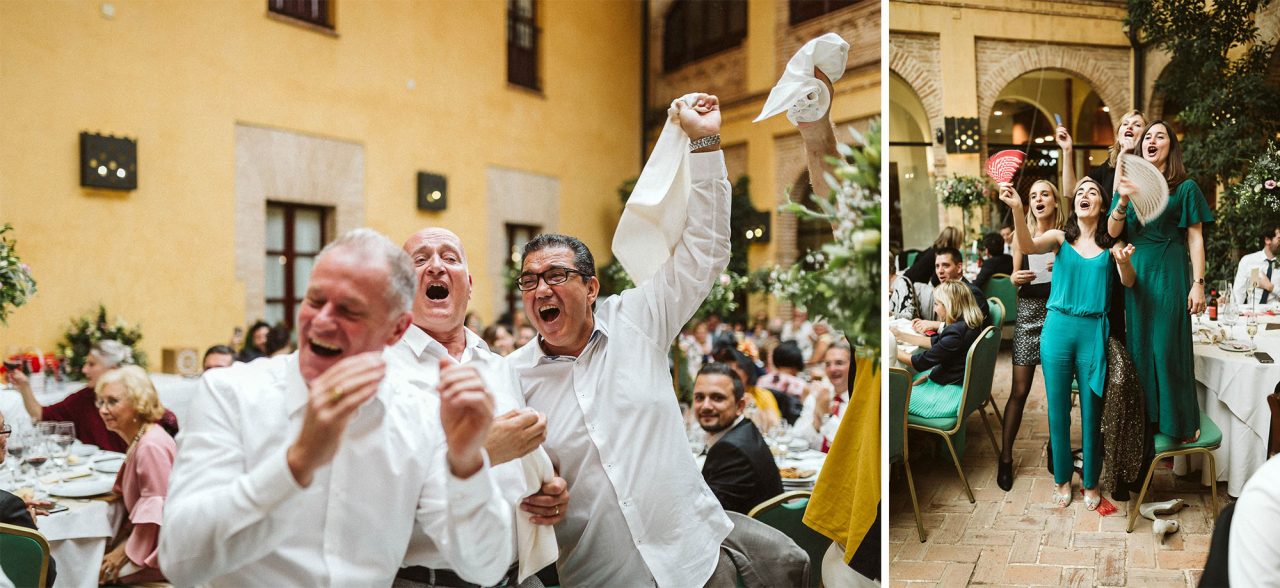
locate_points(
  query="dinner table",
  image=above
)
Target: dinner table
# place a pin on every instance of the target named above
(1232, 387)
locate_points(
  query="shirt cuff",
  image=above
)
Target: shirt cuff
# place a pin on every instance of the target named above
(707, 166)
(468, 494)
(271, 482)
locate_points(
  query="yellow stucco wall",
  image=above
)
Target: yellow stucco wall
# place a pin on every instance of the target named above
(179, 77)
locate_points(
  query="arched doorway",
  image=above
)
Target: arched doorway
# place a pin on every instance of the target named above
(913, 207)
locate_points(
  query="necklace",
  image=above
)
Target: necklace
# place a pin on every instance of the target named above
(134, 443)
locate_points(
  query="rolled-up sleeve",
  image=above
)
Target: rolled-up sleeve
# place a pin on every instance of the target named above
(216, 514)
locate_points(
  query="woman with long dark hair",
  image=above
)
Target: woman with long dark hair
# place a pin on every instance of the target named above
(1073, 340)
(1044, 213)
(1169, 260)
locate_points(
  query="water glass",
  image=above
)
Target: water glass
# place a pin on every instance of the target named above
(1229, 313)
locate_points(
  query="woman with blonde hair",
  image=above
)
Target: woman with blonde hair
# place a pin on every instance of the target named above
(1073, 340)
(1128, 133)
(941, 363)
(130, 407)
(1045, 213)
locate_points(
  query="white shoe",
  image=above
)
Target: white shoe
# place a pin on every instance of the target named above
(1151, 509)
(1164, 527)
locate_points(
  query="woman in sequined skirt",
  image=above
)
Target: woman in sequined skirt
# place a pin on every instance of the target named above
(1044, 213)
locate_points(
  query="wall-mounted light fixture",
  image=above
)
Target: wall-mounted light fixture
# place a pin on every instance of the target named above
(938, 136)
(756, 227)
(432, 191)
(108, 162)
(962, 135)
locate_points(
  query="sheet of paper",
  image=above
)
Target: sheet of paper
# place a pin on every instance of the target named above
(1039, 263)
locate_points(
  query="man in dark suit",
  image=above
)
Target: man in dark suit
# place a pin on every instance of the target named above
(16, 511)
(739, 469)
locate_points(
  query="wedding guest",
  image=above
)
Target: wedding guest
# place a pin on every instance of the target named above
(16, 511)
(799, 330)
(438, 334)
(1242, 291)
(822, 340)
(1044, 213)
(784, 381)
(902, 297)
(828, 398)
(79, 408)
(1073, 342)
(1253, 557)
(739, 469)
(1169, 260)
(1128, 133)
(997, 260)
(762, 407)
(279, 340)
(1006, 234)
(948, 265)
(499, 340)
(940, 362)
(314, 468)
(923, 269)
(255, 342)
(130, 407)
(218, 356)
(525, 335)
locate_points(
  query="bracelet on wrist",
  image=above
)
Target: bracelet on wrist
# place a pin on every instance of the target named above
(704, 142)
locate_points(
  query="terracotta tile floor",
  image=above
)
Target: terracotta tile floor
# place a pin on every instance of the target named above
(1019, 538)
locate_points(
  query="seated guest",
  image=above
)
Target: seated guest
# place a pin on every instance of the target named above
(16, 511)
(941, 362)
(828, 399)
(739, 469)
(1006, 235)
(902, 297)
(79, 407)
(219, 356)
(922, 268)
(948, 265)
(255, 342)
(765, 415)
(130, 407)
(1265, 262)
(784, 381)
(997, 261)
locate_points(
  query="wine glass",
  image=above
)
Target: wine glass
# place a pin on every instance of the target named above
(38, 447)
(64, 434)
(1251, 327)
(1229, 315)
(17, 449)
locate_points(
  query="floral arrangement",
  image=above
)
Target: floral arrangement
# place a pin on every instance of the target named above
(16, 284)
(1258, 190)
(963, 192)
(844, 290)
(722, 299)
(1241, 212)
(91, 328)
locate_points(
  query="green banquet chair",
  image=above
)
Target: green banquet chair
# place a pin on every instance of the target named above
(899, 398)
(1166, 446)
(24, 555)
(785, 512)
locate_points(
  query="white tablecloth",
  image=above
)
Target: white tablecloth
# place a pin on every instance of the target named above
(1232, 390)
(77, 537)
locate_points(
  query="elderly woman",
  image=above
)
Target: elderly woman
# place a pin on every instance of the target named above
(79, 407)
(128, 404)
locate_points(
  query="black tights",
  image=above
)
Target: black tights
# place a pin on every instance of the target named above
(1018, 392)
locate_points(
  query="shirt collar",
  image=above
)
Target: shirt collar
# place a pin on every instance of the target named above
(601, 330)
(420, 343)
(713, 438)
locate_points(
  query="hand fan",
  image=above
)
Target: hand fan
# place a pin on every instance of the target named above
(1004, 164)
(1152, 196)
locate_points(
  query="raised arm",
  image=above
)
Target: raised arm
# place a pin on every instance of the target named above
(665, 302)
(1068, 162)
(1049, 241)
(820, 143)
(29, 402)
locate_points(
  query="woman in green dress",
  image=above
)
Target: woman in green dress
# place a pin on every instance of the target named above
(1169, 260)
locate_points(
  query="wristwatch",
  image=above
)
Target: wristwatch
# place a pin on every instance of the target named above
(1198, 281)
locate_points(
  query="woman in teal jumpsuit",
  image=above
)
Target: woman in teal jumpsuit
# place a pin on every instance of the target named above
(1169, 260)
(1073, 342)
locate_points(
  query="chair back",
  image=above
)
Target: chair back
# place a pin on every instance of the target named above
(1273, 438)
(899, 399)
(1000, 286)
(997, 311)
(979, 370)
(24, 555)
(785, 512)
(906, 258)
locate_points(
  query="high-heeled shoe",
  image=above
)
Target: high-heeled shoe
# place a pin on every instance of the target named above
(1151, 509)
(1004, 475)
(1062, 500)
(1164, 527)
(1092, 503)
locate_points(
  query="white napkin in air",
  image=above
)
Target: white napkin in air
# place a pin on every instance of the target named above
(655, 215)
(803, 97)
(536, 543)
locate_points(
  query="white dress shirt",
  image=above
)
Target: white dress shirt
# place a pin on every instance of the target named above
(641, 511)
(802, 335)
(235, 516)
(419, 356)
(1254, 557)
(1240, 289)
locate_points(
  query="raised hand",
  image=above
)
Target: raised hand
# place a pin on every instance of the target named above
(332, 400)
(1009, 196)
(466, 411)
(825, 121)
(1063, 138)
(702, 119)
(1123, 255)
(514, 434)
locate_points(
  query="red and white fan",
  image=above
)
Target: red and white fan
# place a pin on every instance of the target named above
(1152, 196)
(1003, 165)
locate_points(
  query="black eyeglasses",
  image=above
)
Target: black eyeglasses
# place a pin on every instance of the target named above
(553, 277)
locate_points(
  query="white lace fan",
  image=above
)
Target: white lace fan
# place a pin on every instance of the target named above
(1152, 196)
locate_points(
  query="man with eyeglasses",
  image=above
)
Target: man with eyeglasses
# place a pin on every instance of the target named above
(16, 511)
(642, 513)
(438, 333)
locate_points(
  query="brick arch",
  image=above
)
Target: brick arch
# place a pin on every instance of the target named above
(1077, 62)
(924, 83)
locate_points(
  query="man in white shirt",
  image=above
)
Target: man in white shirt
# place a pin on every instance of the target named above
(827, 400)
(800, 330)
(642, 513)
(1266, 263)
(311, 469)
(439, 333)
(1253, 556)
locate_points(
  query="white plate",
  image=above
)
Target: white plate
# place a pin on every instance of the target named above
(108, 466)
(83, 488)
(1234, 346)
(107, 456)
(84, 450)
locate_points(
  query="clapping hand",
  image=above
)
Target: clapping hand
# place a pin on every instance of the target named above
(466, 411)
(332, 400)
(702, 119)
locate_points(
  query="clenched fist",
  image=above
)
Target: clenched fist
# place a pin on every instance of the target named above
(466, 411)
